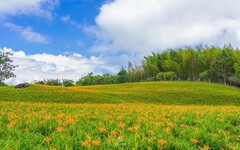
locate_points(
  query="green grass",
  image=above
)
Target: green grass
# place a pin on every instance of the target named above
(159, 115)
(167, 93)
(117, 126)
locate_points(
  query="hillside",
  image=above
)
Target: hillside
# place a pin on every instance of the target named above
(167, 93)
(159, 115)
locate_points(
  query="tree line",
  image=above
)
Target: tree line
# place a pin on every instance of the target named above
(208, 64)
(89, 79)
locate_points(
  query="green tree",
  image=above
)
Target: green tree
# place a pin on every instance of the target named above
(237, 69)
(6, 67)
(160, 76)
(67, 82)
(53, 82)
(122, 75)
(150, 66)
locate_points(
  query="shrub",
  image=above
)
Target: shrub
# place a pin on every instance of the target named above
(166, 76)
(53, 82)
(67, 83)
(39, 82)
(160, 76)
(2, 84)
(170, 75)
(235, 81)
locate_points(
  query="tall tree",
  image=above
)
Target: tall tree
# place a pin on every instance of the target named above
(6, 66)
(122, 75)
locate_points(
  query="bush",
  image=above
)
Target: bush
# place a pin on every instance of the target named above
(204, 75)
(67, 83)
(166, 76)
(150, 79)
(234, 81)
(160, 76)
(39, 82)
(53, 82)
(2, 84)
(170, 76)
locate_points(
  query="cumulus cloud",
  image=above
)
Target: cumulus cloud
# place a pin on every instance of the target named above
(27, 33)
(43, 66)
(142, 26)
(41, 8)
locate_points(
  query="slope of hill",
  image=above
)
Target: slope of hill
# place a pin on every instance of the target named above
(168, 93)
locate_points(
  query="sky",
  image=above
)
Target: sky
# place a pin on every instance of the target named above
(70, 38)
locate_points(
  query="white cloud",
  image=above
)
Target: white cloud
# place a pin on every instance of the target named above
(27, 33)
(69, 20)
(65, 18)
(41, 8)
(142, 26)
(43, 66)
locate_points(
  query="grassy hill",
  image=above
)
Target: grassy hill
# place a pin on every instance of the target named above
(125, 116)
(167, 93)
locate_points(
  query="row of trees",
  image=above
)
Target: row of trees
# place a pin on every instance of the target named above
(89, 79)
(212, 64)
(56, 82)
(209, 64)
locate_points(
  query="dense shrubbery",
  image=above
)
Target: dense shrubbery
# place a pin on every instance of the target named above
(90, 79)
(166, 76)
(53, 82)
(67, 82)
(56, 82)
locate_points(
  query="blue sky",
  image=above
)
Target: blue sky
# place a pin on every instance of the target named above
(70, 38)
(61, 36)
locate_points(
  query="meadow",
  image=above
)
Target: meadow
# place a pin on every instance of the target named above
(164, 93)
(163, 115)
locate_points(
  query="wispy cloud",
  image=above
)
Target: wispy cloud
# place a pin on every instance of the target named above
(41, 8)
(69, 20)
(27, 33)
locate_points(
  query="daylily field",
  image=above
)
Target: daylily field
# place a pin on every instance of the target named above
(37, 118)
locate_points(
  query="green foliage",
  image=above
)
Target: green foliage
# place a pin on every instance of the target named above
(204, 75)
(127, 126)
(160, 76)
(166, 76)
(122, 75)
(39, 82)
(237, 69)
(213, 64)
(135, 74)
(234, 81)
(2, 84)
(67, 83)
(150, 65)
(6, 67)
(53, 82)
(171, 65)
(170, 76)
(152, 115)
(90, 79)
